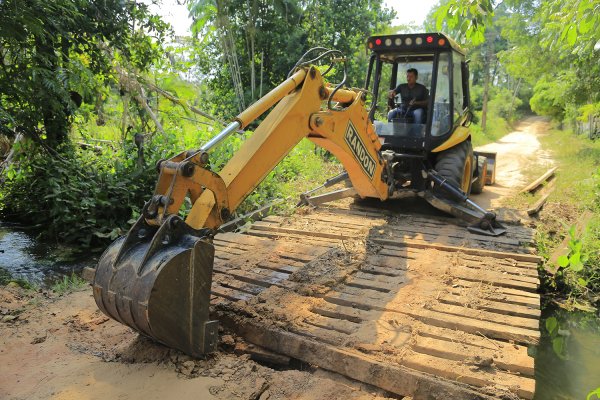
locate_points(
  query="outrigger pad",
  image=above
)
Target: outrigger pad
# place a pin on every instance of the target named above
(158, 281)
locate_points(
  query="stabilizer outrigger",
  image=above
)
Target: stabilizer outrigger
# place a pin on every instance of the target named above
(441, 194)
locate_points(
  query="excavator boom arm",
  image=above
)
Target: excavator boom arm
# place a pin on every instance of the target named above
(298, 113)
(158, 278)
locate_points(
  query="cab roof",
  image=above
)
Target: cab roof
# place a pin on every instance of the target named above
(412, 43)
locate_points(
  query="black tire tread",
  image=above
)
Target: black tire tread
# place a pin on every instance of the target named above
(450, 163)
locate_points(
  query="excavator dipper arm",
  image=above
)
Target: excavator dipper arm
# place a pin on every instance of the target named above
(157, 279)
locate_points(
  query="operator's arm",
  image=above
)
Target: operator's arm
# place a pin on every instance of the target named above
(422, 100)
(394, 92)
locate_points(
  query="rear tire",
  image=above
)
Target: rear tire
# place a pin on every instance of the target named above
(456, 165)
(477, 186)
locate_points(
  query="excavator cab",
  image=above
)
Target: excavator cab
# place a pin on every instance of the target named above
(441, 68)
(441, 141)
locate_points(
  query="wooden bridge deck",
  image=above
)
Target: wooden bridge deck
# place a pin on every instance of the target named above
(414, 305)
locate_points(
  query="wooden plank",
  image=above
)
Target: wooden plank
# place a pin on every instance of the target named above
(298, 236)
(484, 315)
(433, 317)
(281, 266)
(509, 295)
(497, 279)
(370, 284)
(264, 280)
(379, 270)
(513, 268)
(246, 242)
(367, 293)
(342, 326)
(435, 231)
(267, 227)
(406, 252)
(537, 206)
(227, 281)
(228, 293)
(390, 281)
(457, 371)
(522, 265)
(431, 223)
(508, 356)
(533, 185)
(393, 378)
(472, 325)
(489, 272)
(492, 306)
(442, 233)
(466, 250)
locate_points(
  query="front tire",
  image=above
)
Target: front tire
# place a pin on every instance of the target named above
(456, 165)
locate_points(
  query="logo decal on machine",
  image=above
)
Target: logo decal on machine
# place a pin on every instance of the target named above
(366, 161)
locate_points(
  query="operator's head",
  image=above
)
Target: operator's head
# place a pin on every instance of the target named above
(411, 75)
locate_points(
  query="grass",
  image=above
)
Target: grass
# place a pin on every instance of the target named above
(68, 284)
(577, 189)
(7, 279)
(496, 128)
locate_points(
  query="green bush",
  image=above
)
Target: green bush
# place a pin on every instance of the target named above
(68, 284)
(85, 199)
(76, 196)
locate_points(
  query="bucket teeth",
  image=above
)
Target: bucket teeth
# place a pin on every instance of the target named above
(157, 281)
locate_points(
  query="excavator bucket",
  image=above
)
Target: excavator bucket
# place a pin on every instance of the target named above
(157, 280)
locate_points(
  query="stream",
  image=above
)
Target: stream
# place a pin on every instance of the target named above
(572, 375)
(23, 257)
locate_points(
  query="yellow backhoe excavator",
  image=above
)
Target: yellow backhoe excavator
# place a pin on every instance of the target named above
(157, 279)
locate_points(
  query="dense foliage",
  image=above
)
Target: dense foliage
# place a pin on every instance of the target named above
(248, 47)
(552, 46)
(55, 54)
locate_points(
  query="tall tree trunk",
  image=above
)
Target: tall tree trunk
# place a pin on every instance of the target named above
(512, 101)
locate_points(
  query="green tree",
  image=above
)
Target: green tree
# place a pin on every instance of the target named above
(47, 48)
(259, 41)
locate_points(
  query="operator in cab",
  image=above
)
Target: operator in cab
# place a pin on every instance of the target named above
(414, 99)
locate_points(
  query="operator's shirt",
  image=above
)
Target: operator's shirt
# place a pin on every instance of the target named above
(418, 92)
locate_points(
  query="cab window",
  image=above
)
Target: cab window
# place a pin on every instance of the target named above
(459, 107)
(441, 121)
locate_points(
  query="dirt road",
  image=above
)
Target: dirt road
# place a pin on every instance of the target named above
(518, 153)
(62, 347)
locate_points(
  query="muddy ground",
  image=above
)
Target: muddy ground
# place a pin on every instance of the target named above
(62, 347)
